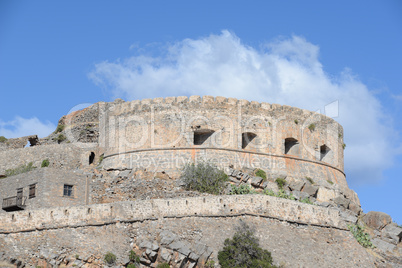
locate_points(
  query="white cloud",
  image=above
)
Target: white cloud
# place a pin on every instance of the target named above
(285, 71)
(20, 127)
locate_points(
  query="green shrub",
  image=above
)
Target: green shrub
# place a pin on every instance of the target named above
(269, 192)
(134, 257)
(280, 182)
(204, 177)
(59, 128)
(261, 173)
(283, 194)
(20, 169)
(45, 163)
(311, 127)
(242, 189)
(310, 180)
(3, 139)
(210, 264)
(361, 236)
(296, 121)
(243, 250)
(330, 182)
(101, 158)
(110, 258)
(60, 138)
(306, 201)
(131, 265)
(163, 265)
(340, 135)
(344, 146)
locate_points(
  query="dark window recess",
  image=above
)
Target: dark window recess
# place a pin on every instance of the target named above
(68, 190)
(32, 190)
(324, 150)
(200, 136)
(292, 146)
(91, 157)
(246, 138)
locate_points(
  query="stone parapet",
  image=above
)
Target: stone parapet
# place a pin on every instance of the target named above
(133, 211)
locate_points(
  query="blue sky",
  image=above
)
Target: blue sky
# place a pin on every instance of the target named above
(58, 54)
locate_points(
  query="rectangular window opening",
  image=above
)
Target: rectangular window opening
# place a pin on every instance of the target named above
(68, 190)
(32, 191)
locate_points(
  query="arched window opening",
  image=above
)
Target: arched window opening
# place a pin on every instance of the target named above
(201, 135)
(292, 146)
(91, 157)
(247, 137)
(324, 150)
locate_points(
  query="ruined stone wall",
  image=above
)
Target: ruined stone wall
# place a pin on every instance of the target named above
(64, 156)
(172, 131)
(49, 185)
(296, 234)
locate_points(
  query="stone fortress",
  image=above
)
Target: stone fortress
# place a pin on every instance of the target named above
(113, 185)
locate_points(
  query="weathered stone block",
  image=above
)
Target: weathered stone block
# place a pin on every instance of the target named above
(377, 220)
(296, 185)
(341, 201)
(392, 232)
(382, 245)
(256, 181)
(325, 194)
(310, 189)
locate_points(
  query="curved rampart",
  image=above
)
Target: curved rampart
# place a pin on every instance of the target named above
(163, 134)
(133, 211)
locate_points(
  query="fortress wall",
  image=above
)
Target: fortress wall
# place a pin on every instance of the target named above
(132, 211)
(68, 156)
(172, 122)
(173, 160)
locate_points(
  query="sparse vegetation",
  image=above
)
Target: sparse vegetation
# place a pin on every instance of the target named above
(311, 127)
(310, 180)
(131, 265)
(330, 182)
(110, 258)
(261, 173)
(242, 189)
(20, 169)
(59, 128)
(340, 135)
(280, 182)
(210, 264)
(306, 201)
(45, 163)
(3, 139)
(243, 250)
(344, 146)
(60, 138)
(134, 257)
(282, 194)
(361, 236)
(204, 177)
(296, 121)
(101, 158)
(163, 265)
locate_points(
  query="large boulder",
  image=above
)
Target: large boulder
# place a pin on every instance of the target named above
(377, 220)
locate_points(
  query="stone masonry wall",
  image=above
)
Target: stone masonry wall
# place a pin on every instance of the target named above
(49, 188)
(64, 156)
(131, 211)
(285, 138)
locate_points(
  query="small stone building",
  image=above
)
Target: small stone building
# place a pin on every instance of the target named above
(43, 187)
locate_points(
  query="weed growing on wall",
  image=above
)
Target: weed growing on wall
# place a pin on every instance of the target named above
(204, 177)
(261, 173)
(163, 265)
(243, 250)
(45, 163)
(60, 138)
(280, 182)
(3, 139)
(311, 127)
(361, 236)
(310, 180)
(20, 169)
(242, 189)
(134, 258)
(306, 201)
